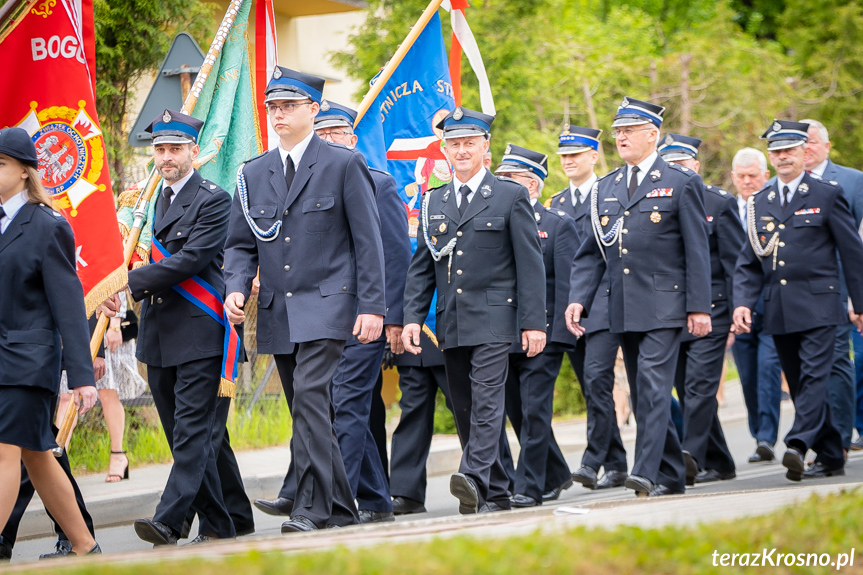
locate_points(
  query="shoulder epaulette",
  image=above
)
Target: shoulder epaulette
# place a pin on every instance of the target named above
(611, 173)
(681, 169)
(50, 211)
(210, 186)
(371, 169)
(261, 155)
(547, 203)
(716, 190)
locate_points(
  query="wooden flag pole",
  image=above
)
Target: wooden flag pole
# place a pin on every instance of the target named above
(140, 212)
(12, 12)
(397, 58)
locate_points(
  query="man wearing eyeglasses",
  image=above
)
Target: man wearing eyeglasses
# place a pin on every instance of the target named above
(360, 365)
(650, 232)
(305, 213)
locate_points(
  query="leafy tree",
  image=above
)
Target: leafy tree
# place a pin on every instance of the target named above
(132, 39)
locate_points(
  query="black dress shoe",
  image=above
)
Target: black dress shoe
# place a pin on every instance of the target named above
(62, 548)
(5, 550)
(710, 475)
(691, 468)
(555, 493)
(278, 506)
(818, 470)
(519, 500)
(155, 532)
(763, 452)
(407, 506)
(793, 461)
(243, 531)
(659, 490)
(611, 479)
(201, 538)
(369, 516)
(586, 476)
(298, 524)
(641, 485)
(464, 489)
(491, 507)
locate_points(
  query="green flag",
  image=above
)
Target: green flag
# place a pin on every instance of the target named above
(227, 107)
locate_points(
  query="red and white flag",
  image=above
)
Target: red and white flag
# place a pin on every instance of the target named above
(266, 59)
(463, 40)
(48, 79)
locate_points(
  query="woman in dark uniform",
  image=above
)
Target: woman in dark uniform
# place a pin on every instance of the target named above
(41, 300)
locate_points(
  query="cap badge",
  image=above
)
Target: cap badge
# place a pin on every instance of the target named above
(277, 73)
(669, 139)
(166, 117)
(565, 130)
(625, 103)
(777, 126)
(458, 114)
(508, 148)
(325, 106)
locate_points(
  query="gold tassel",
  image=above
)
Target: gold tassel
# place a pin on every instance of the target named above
(106, 288)
(227, 388)
(431, 335)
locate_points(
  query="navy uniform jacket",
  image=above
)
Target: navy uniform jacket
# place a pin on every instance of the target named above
(396, 246)
(598, 319)
(802, 293)
(491, 290)
(562, 201)
(42, 302)
(173, 330)
(851, 181)
(558, 240)
(725, 237)
(326, 265)
(660, 272)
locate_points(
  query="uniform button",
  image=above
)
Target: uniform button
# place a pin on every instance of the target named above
(458, 291)
(509, 300)
(146, 291)
(783, 282)
(159, 300)
(626, 270)
(289, 294)
(720, 295)
(287, 268)
(655, 207)
(287, 240)
(781, 244)
(781, 226)
(781, 263)
(286, 212)
(625, 231)
(458, 253)
(625, 251)
(458, 272)
(807, 221)
(488, 225)
(831, 287)
(675, 287)
(262, 212)
(181, 233)
(317, 205)
(626, 213)
(458, 233)
(712, 305)
(344, 288)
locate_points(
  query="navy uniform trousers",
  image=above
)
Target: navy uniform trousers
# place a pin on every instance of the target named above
(353, 385)
(233, 490)
(596, 354)
(313, 364)
(699, 370)
(185, 397)
(529, 406)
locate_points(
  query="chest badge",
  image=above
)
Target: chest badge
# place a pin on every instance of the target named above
(543, 235)
(537, 217)
(771, 196)
(655, 217)
(604, 221)
(434, 240)
(770, 226)
(442, 227)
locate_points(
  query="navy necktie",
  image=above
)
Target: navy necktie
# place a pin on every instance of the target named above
(464, 191)
(633, 181)
(785, 192)
(290, 172)
(166, 199)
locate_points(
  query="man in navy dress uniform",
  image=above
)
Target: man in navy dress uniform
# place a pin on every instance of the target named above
(650, 232)
(305, 213)
(360, 365)
(184, 357)
(479, 247)
(530, 383)
(795, 227)
(595, 354)
(699, 367)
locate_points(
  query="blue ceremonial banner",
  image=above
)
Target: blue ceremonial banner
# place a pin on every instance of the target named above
(401, 121)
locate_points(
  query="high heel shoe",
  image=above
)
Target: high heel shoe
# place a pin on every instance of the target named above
(125, 471)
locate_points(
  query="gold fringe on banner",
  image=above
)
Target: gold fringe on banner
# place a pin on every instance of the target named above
(227, 388)
(427, 330)
(112, 283)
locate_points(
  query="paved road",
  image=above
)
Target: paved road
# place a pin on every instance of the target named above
(440, 503)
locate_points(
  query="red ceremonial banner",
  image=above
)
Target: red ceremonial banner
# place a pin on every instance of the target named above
(48, 79)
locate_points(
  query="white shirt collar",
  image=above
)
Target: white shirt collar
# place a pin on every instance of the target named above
(792, 186)
(297, 152)
(819, 169)
(643, 167)
(583, 189)
(533, 202)
(178, 185)
(472, 183)
(12, 206)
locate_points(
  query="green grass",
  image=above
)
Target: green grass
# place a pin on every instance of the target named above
(829, 524)
(268, 424)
